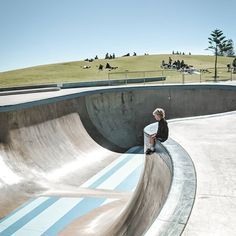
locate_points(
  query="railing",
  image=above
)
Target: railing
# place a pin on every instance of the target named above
(135, 74)
(175, 76)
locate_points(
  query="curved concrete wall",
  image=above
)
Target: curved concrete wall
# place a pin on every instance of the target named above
(121, 115)
(115, 117)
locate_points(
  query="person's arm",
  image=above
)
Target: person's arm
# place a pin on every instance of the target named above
(160, 128)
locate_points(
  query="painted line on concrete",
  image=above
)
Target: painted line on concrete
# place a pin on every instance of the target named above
(30, 215)
(2, 227)
(22, 211)
(110, 169)
(79, 210)
(56, 217)
(50, 216)
(122, 174)
(130, 183)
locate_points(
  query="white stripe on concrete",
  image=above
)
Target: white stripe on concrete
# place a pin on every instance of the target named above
(22, 212)
(30, 232)
(120, 175)
(50, 216)
(106, 169)
(2, 227)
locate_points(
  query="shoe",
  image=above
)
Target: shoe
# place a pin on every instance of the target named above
(149, 151)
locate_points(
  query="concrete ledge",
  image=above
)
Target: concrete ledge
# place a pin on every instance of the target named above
(148, 199)
(24, 91)
(175, 213)
(164, 199)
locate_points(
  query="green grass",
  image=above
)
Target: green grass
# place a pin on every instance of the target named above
(74, 72)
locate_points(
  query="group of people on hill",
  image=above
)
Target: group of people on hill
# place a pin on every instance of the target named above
(108, 66)
(110, 56)
(179, 53)
(175, 65)
(178, 65)
(128, 55)
(100, 67)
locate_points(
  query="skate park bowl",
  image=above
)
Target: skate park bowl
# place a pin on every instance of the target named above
(64, 154)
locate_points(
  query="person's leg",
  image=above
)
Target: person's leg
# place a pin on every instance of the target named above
(151, 145)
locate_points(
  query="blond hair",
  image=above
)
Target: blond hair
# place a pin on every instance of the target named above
(160, 112)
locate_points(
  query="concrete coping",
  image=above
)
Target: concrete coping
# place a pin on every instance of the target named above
(30, 90)
(176, 211)
(53, 87)
(18, 103)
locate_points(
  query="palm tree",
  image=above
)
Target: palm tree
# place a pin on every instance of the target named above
(219, 45)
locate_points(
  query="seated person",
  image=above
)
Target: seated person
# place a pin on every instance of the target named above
(162, 132)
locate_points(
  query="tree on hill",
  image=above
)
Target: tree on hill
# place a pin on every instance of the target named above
(218, 44)
(231, 52)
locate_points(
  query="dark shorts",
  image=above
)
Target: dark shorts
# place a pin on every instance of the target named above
(161, 140)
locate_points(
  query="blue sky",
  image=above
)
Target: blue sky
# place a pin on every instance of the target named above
(37, 32)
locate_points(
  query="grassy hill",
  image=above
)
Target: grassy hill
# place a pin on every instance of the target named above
(74, 72)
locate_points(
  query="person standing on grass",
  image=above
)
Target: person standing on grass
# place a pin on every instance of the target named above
(162, 132)
(234, 65)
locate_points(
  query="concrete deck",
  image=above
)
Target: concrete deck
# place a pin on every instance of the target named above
(211, 143)
(53, 143)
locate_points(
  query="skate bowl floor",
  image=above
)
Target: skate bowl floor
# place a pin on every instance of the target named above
(74, 159)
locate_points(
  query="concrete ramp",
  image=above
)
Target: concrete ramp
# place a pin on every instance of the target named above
(50, 147)
(43, 148)
(51, 164)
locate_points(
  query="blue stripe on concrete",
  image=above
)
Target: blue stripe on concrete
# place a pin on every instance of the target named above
(17, 209)
(114, 169)
(135, 150)
(140, 150)
(80, 209)
(131, 181)
(24, 220)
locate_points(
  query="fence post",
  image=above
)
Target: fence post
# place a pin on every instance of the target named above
(200, 76)
(108, 75)
(183, 77)
(163, 81)
(144, 75)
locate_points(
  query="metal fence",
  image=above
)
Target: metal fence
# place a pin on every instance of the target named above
(175, 76)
